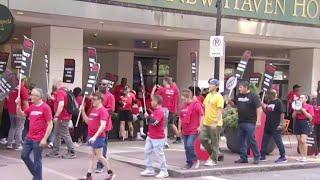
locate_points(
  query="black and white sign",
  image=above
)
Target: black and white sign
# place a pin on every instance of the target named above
(255, 78)
(243, 64)
(216, 46)
(268, 77)
(194, 65)
(3, 61)
(92, 54)
(69, 70)
(8, 81)
(141, 75)
(231, 83)
(112, 80)
(27, 55)
(16, 58)
(92, 80)
(46, 61)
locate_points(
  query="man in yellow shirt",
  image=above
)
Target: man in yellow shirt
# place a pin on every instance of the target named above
(212, 123)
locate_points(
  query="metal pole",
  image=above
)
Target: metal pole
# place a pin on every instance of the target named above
(218, 32)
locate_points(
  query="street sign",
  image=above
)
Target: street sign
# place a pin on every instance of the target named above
(216, 46)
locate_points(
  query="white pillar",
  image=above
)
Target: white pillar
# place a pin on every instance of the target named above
(206, 64)
(304, 69)
(62, 43)
(125, 66)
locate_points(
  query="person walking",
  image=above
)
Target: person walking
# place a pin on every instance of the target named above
(212, 123)
(249, 116)
(191, 115)
(302, 128)
(40, 126)
(274, 125)
(61, 124)
(97, 123)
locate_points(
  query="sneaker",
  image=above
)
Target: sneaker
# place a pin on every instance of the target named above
(196, 164)
(76, 144)
(263, 159)
(299, 159)
(86, 178)
(99, 170)
(148, 172)
(304, 159)
(111, 175)
(18, 148)
(187, 166)
(142, 134)
(139, 138)
(210, 163)
(162, 174)
(50, 145)
(241, 161)
(166, 146)
(256, 161)
(281, 160)
(9, 146)
(3, 141)
(69, 156)
(221, 157)
(53, 155)
(178, 141)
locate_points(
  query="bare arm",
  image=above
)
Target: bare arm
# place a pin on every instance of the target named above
(153, 90)
(259, 114)
(308, 115)
(60, 109)
(84, 115)
(48, 131)
(19, 110)
(101, 129)
(25, 104)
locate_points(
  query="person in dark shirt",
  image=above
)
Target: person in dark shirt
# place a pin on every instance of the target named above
(249, 116)
(274, 124)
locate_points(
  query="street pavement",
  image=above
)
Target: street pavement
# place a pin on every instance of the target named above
(12, 168)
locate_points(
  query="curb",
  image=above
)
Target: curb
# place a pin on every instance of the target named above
(177, 172)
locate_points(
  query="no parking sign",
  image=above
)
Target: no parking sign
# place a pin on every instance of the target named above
(216, 46)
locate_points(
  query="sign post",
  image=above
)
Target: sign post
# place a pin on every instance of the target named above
(194, 69)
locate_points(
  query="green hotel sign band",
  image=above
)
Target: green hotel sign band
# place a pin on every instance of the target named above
(293, 11)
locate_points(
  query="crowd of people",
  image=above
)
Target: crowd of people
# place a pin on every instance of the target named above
(199, 115)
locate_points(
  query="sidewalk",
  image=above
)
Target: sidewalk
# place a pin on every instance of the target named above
(133, 153)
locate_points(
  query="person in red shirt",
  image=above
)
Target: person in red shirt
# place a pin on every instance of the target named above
(137, 112)
(119, 89)
(170, 95)
(40, 126)
(191, 115)
(316, 123)
(97, 124)
(125, 114)
(156, 139)
(109, 104)
(302, 129)
(17, 122)
(61, 120)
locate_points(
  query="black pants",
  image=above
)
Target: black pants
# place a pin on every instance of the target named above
(5, 124)
(79, 132)
(317, 136)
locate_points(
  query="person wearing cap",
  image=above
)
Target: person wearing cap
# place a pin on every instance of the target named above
(273, 126)
(249, 116)
(212, 122)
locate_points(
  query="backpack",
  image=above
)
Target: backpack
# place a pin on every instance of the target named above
(72, 105)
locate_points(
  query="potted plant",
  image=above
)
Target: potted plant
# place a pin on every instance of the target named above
(230, 125)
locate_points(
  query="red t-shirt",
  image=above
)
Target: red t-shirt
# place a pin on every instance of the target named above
(61, 95)
(127, 102)
(190, 117)
(117, 92)
(157, 132)
(316, 118)
(109, 101)
(39, 116)
(11, 102)
(176, 98)
(200, 99)
(168, 95)
(95, 117)
(136, 107)
(309, 109)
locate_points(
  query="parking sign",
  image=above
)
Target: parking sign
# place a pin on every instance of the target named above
(216, 46)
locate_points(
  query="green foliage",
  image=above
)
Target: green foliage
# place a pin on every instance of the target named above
(253, 88)
(230, 118)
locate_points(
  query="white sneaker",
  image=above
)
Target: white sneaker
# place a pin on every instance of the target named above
(18, 148)
(304, 159)
(166, 145)
(162, 174)
(148, 172)
(3, 141)
(143, 134)
(196, 165)
(210, 163)
(139, 137)
(9, 146)
(76, 144)
(299, 159)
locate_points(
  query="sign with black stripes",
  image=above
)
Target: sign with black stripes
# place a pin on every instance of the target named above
(194, 65)
(27, 55)
(112, 79)
(268, 77)
(92, 54)
(46, 61)
(69, 70)
(3, 61)
(16, 58)
(92, 80)
(141, 75)
(8, 82)
(242, 66)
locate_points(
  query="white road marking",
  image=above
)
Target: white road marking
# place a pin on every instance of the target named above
(52, 171)
(212, 178)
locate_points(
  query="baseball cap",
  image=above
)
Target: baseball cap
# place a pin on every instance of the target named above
(213, 81)
(296, 86)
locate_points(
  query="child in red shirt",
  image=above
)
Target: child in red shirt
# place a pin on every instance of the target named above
(156, 139)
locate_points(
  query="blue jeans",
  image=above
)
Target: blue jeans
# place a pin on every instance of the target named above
(247, 131)
(34, 167)
(189, 148)
(276, 134)
(156, 146)
(104, 152)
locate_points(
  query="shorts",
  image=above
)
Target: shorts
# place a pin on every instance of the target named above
(302, 127)
(125, 115)
(99, 143)
(172, 119)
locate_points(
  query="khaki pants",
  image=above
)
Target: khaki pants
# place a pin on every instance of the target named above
(210, 137)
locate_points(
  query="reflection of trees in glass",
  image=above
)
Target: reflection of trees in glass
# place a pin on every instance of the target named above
(164, 70)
